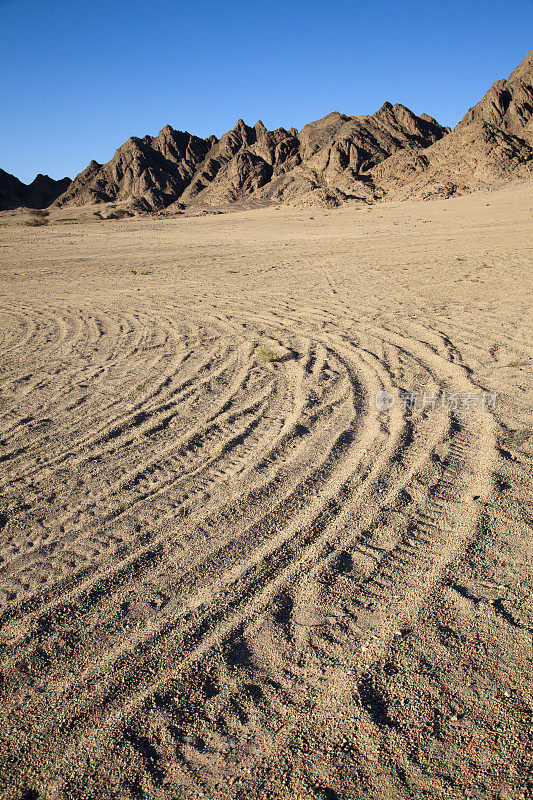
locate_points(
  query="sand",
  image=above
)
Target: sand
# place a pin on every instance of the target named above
(224, 572)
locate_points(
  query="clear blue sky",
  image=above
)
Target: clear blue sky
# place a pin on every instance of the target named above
(79, 77)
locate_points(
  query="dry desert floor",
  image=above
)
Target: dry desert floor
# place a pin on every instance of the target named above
(266, 522)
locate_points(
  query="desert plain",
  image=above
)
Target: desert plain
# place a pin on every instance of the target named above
(266, 502)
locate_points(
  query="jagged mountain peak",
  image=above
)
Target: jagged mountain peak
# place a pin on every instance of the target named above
(508, 104)
(246, 161)
(491, 144)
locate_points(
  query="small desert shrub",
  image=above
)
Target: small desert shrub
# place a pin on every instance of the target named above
(120, 213)
(266, 355)
(517, 438)
(38, 217)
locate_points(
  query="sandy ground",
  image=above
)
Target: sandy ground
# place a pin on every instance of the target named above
(224, 572)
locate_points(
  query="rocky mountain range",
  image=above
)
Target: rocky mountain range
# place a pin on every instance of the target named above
(392, 153)
(327, 162)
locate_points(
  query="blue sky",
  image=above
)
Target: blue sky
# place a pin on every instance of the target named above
(80, 77)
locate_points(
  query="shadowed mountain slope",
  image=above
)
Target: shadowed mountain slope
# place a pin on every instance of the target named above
(38, 194)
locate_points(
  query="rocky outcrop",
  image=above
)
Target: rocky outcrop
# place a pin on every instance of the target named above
(337, 153)
(243, 161)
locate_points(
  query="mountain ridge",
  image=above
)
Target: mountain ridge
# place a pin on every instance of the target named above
(392, 153)
(325, 162)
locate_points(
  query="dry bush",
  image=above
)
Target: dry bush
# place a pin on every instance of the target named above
(38, 217)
